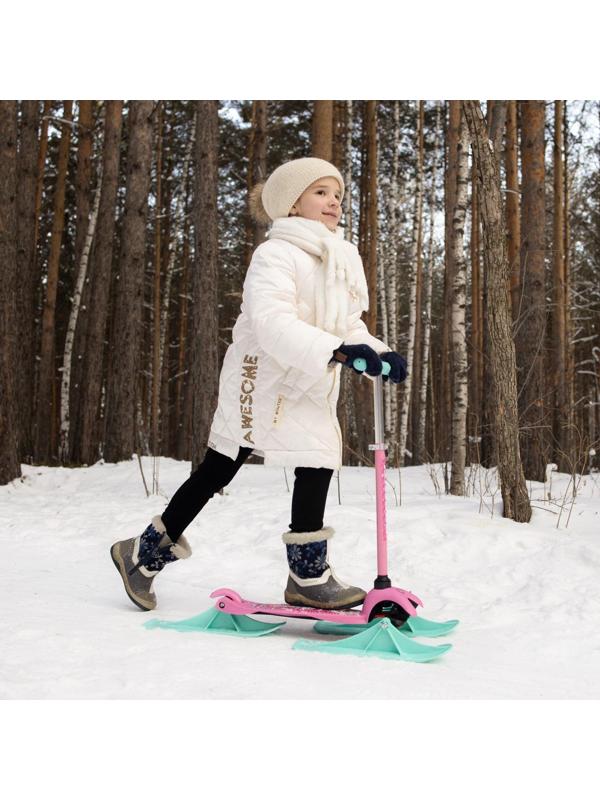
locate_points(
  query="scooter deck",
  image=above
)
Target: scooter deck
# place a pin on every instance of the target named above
(230, 602)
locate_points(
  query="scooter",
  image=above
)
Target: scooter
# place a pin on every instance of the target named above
(384, 626)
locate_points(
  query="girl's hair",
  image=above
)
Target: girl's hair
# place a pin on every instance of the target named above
(257, 210)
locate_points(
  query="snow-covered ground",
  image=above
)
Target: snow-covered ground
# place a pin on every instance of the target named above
(528, 596)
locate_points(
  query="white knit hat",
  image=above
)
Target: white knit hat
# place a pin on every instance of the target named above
(285, 185)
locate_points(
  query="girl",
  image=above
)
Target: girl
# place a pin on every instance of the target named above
(303, 297)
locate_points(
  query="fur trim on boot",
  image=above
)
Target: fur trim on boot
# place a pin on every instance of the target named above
(312, 581)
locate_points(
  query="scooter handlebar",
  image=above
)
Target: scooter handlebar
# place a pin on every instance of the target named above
(360, 365)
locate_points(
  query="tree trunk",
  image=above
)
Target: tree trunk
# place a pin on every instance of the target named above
(83, 201)
(348, 408)
(27, 281)
(476, 344)
(569, 346)
(390, 282)
(421, 451)
(181, 414)
(45, 427)
(322, 129)
(156, 298)
(531, 333)
(348, 170)
(459, 301)
(503, 364)
(512, 206)
(73, 317)
(10, 467)
(412, 316)
(416, 367)
(87, 447)
(178, 224)
(445, 402)
(121, 412)
(205, 314)
(560, 422)
(257, 171)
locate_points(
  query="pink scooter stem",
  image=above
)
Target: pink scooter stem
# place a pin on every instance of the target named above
(382, 582)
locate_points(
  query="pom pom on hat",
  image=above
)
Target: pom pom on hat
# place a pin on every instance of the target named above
(257, 210)
(285, 185)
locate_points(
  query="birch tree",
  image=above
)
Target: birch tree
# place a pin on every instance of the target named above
(412, 281)
(73, 316)
(86, 447)
(459, 338)
(428, 283)
(559, 299)
(390, 281)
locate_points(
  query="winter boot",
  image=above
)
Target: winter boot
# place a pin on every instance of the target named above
(140, 560)
(312, 582)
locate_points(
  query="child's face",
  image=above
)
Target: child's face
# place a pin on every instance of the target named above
(321, 201)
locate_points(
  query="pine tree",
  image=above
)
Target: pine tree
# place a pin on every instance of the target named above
(10, 467)
(502, 353)
(204, 330)
(121, 396)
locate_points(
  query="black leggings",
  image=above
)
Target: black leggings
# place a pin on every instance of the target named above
(216, 471)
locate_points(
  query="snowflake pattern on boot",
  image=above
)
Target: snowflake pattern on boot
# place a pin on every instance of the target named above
(150, 556)
(308, 560)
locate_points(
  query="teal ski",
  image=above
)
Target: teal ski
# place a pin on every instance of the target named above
(380, 638)
(414, 626)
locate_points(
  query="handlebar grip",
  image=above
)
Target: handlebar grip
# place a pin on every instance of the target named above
(360, 365)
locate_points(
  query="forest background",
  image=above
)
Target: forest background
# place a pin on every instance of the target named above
(125, 247)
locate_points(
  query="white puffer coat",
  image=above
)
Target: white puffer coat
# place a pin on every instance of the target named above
(277, 390)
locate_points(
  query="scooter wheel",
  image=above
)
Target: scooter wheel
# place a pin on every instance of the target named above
(392, 611)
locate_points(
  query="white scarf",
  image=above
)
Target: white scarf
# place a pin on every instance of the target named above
(343, 271)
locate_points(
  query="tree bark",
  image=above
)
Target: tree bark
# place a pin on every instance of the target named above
(531, 331)
(156, 297)
(416, 366)
(45, 425)
(72, 326)
(10, 467)
(27, 281)
(412, 314)
(205, 315)
(476, 343)
(445, 402)
(421, 450)
(569, 345)
(503, 363)
(512, 206)
(561, 417)
(459, 301)
(86, 447)
(322, 129)
(257, 171)
(121, 412)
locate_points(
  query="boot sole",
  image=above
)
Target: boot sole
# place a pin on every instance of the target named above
(118, 562)
(298, 600)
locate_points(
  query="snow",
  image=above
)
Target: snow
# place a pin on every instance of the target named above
(528, 596)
